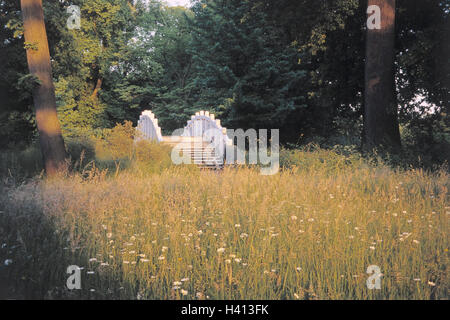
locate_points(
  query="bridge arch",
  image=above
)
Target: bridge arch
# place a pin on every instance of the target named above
(200, 125)
(204, 124)
(148, 127)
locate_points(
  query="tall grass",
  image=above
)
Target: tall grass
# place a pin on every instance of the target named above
(309, 232)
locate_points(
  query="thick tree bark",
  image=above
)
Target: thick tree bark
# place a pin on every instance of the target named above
(38, 57)
(98, 86)
(381, 127)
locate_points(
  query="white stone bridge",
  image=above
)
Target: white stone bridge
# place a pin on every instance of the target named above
(202, 141)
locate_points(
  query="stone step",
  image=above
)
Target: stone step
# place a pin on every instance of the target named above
(207, 160)
(184, 141)
(201, 153)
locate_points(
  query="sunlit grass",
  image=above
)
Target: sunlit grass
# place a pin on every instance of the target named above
(309, 232)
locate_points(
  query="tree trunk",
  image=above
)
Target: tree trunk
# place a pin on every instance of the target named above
(38, 57)
(381, 127)
(97, 88)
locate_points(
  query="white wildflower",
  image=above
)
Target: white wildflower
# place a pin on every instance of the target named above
(199, 295)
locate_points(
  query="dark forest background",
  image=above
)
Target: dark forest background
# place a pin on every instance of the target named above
(288, 64)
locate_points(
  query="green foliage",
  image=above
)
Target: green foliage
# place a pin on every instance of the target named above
(311, 157)
(118, 147)
(151, 157)
(427, 141)
(116, 143)
(288, 64)
(106, 151)
(87, 57)
(18, 165)
(422, 54)
(158, 74)
(247, 70)
(16, 111)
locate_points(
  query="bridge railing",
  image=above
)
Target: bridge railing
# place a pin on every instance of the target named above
(202, 125)
(148, 127)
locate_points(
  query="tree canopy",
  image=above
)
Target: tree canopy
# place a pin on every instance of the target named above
(288, 64)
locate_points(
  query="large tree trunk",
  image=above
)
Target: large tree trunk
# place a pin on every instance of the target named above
(38, 57)
(380, 102)
(98, 86)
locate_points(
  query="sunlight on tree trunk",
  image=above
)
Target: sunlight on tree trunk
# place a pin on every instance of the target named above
(380, 104)
(38, 57)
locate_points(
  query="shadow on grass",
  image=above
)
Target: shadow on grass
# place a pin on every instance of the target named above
(35, 253)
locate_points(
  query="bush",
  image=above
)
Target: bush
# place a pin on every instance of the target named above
(116, 143)
(81, 150)
(312, 157)
(115, 149)
(17, 165)
(151, 156)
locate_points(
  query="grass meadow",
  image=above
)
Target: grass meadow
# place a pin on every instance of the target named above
(308, 232)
